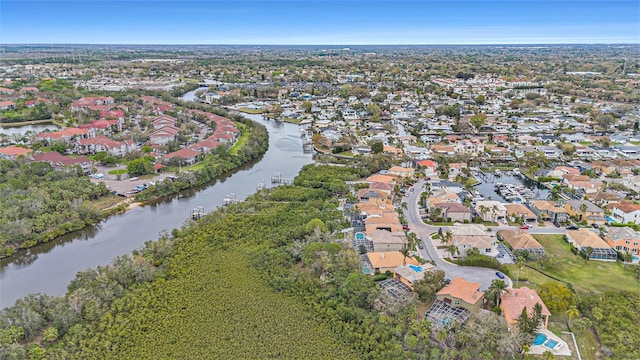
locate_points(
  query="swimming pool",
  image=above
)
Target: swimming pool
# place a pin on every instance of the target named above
(610, 219)
(416, 268)
(551, 344)
(359, 236)
(540, 339)
(635, 258)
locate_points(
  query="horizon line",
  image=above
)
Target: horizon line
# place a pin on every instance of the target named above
(354, 44)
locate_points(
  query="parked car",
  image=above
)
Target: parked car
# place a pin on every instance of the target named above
(405, 227)
(420, 246)
(500, 275)
(524, 227)
(572, 227)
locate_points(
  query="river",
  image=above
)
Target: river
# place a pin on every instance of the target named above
(49, 268)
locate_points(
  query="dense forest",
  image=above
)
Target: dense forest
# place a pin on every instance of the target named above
(39, 203)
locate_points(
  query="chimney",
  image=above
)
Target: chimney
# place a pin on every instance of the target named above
(382, 255)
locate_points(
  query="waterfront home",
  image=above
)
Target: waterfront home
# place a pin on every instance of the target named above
(520, 211)
(522, 240)
(548, 210)
(623, 239)
(590, 243)
(490, 210)
(584, 210)
(514, 301)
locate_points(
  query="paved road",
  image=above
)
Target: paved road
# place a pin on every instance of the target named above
(484, 276)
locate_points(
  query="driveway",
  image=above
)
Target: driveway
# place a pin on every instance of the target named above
(483, 276)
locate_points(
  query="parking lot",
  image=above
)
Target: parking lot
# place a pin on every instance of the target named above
(125, 186)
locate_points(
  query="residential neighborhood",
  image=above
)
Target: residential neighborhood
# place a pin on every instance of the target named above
(453, 194)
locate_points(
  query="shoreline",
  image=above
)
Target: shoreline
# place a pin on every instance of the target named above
(31, 122)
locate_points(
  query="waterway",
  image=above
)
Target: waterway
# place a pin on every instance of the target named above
(487, 187)
(49, 268)
(22, 130)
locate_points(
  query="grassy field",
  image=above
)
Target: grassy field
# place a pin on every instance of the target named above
(243, 139)
(117, 172)
(585, 276)
(252, 111)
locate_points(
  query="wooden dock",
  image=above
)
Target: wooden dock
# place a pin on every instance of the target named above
(230, 199)
(278, 179)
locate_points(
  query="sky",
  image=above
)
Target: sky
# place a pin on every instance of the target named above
(332, 22)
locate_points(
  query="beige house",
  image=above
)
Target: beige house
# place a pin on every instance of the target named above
(519, 211)
(588, 241)
(388, 260)
(463, 294)
(384, 241)
(522, 240)
(585, 211)
(402, 171)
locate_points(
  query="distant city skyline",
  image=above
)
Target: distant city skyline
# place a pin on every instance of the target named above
(319, 22)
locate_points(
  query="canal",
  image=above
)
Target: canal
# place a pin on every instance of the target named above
(49, 268)
(487, 186)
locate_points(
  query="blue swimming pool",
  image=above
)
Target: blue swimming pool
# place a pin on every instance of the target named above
(540, 339)
(551, 344)
(416, 268)
(635, 258)
(610, 219)
(359, 236)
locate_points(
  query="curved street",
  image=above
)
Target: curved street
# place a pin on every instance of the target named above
(483, 276)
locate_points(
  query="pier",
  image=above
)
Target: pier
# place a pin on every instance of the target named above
(197, 212)
(230, 199)
(278, 179)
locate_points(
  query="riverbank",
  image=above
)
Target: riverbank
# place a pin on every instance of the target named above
(32, 122)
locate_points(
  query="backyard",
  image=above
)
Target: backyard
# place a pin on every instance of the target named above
(584, 276)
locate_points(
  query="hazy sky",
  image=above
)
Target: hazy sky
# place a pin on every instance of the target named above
(319, 22)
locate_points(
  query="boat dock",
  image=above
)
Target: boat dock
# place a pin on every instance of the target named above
(278, 179)
(230, 199)
(197, 212)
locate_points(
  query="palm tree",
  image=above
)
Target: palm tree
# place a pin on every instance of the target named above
(572, 312)
(453, 250)
(447, 238)
(497, 289)
(483, 211)
(588, 251)
(405, 253)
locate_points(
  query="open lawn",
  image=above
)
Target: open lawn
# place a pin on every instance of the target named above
(585, 276)
(251, 111)
(242, 140)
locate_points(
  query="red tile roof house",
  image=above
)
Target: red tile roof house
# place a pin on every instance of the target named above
(103, 143)
(190, 156)
(205, 146)
(93, 103)
(12, 152)
(163, 135)
(7, 105)
(106, 127)
(163, 120)
(67, 135)
(59, 161)
(430, 167)
(515, 300)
